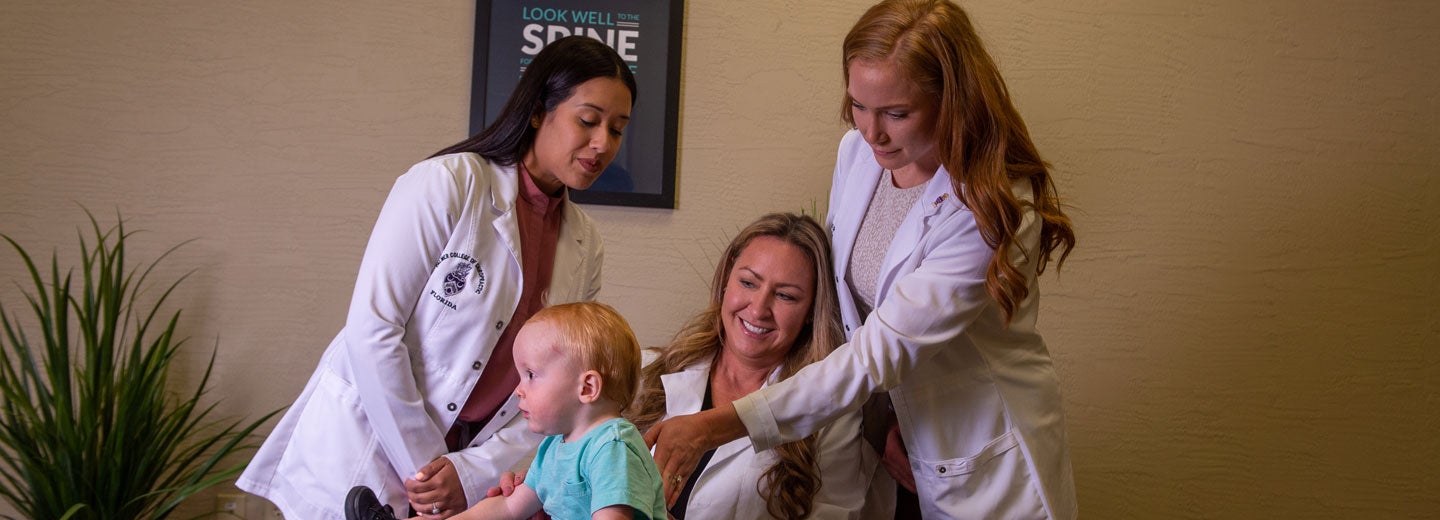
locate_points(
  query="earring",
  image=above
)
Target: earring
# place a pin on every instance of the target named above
(535, 123)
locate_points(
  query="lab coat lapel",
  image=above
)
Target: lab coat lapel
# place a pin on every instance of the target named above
(742, 445)
(685, 394)
(566, 276)
(685, 390)
(503, 191)
(728, 451)
(859, 189)
(938, 198)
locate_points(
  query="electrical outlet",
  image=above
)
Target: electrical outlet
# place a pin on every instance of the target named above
(230, 505)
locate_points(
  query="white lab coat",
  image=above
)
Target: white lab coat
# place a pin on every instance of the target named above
(439, 282)
(977, 399)
(727, 486)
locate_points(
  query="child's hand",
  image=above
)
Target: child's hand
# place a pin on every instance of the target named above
(435, 491)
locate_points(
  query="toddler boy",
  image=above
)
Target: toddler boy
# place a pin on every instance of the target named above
(579, 365)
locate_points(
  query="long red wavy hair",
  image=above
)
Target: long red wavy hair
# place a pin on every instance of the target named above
(981, 139)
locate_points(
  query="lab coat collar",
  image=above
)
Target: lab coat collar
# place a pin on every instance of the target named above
(684, 395)
(685, 390)
(938, 198)
(504, 192)
(939, 195)
(504, 189)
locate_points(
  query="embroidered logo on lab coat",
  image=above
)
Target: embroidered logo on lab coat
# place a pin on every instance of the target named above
(455, 281)
(458, 278)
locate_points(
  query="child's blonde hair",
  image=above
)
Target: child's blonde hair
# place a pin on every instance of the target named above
(597, 338)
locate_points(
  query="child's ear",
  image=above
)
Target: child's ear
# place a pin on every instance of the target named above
(590, 386)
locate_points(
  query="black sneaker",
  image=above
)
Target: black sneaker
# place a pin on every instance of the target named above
(362, 504)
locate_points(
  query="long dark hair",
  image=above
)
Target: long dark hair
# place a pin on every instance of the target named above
(548, 80)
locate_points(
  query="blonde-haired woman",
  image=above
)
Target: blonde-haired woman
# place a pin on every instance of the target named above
(773, 310)
(942, 215)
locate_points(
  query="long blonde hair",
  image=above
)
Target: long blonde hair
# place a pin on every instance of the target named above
(789, 486)
(981, 139)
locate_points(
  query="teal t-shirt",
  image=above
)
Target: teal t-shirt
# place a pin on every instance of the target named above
(608, 466)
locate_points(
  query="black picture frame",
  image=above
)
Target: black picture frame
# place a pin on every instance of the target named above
(647, 33)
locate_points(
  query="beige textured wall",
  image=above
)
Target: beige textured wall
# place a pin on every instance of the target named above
(1249, 326)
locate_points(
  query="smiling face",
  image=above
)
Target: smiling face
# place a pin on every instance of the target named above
(767, 301)
(579, 138)
(549, 387)
(896, 118)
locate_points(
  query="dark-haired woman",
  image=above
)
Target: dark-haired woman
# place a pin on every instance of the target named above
(943, 216)
(414, 397)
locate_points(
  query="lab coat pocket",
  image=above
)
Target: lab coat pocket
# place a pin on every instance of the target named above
(955, 468)
(332, 447)
(997, 478)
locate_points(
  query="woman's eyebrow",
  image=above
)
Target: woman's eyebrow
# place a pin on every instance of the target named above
(600, 109)
(762, 278)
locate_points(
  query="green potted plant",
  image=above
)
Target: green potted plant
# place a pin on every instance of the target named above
(89, 427)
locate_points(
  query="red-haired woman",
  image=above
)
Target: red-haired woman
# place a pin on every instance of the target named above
(942, 215)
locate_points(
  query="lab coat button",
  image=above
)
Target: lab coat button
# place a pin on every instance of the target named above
(499, 324)
(502, 413)
(941, 469)
(476, 366)
(450, 407)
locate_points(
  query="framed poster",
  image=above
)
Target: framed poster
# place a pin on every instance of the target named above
(646, 34)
